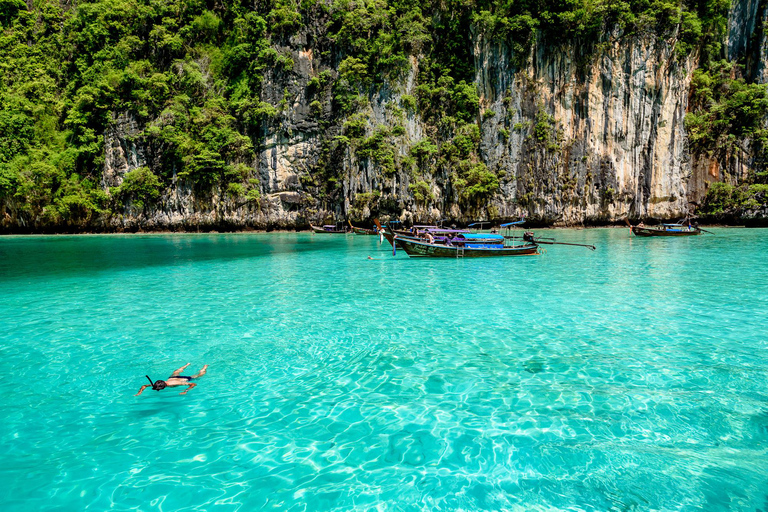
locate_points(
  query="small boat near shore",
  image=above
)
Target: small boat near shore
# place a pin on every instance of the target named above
(678, 229)
(460, 243)
(328, 229)
(467, 245)
(363, 231)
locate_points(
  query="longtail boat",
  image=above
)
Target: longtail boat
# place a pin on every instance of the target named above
(362, 231)
(459, 243)
(679, 229)
(467, 245)
(328, 229)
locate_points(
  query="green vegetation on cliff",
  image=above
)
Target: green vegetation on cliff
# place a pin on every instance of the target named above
(192, 74)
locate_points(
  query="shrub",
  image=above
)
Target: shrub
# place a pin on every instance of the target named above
(316, 108)
(235, 190)
(421, 191)
(475, 182)
(409, 103)
(140, 185)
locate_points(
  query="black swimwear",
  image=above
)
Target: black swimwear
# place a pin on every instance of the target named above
(181, 377)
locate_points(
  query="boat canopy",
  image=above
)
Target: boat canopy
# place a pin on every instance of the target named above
(516, 223)
(329, 226)
(481, 236)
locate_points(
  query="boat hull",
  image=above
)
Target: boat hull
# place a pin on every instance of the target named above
(361, 231)
(638, 231)
(419, 249)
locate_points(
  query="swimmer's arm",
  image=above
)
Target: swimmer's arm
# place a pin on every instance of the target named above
(145, 386)
(191, 385)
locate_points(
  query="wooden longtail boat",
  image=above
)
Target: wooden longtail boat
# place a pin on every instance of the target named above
(328, 229)
(459, 243)
(467, 245)
(667, 230)
(362, 231)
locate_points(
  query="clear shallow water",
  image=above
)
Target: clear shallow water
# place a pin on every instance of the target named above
(631, 378)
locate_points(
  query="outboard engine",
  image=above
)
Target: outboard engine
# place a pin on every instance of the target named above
(528, 236)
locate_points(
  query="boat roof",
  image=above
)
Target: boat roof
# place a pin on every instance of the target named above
(329, 225)
(481, 236)
(516, 223)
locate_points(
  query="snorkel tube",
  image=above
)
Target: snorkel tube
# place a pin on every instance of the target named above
(158, 384)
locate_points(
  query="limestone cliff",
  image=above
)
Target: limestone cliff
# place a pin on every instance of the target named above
(587, 132)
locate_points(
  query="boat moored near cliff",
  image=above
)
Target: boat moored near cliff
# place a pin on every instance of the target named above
(467, 245)
(363, 231)
(329, 229)
(679, 229)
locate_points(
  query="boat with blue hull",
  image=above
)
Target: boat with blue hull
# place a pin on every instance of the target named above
(436, 242)
(467, 245)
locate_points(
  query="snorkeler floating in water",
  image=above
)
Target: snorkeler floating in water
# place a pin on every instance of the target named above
(174, 380)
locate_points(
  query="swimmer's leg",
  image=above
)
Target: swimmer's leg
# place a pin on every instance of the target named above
(201, 372)
(178, 372)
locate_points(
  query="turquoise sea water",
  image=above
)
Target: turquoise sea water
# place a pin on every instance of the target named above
(630, 378)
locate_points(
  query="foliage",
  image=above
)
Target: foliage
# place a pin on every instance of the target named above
(475, 182)
(316, 108)
(725, 111)
(409, 103)
(141, 186)
(191, 76)
(423, 150)
(724, 198)
(421, 191)
(378, 148)
(362, 201)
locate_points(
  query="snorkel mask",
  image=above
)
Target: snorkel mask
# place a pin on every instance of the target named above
(157, 385)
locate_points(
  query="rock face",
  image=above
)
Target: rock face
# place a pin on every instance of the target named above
(617, 146)
(575, 137)
(122, 151)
